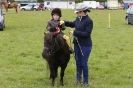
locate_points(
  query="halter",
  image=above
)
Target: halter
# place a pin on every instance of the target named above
(57, 31)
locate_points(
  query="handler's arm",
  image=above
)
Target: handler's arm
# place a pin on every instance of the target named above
(70, 24)
(87, 32)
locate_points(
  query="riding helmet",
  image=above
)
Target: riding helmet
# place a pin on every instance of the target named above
(56, 11)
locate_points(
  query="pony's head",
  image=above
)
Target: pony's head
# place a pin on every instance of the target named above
(55, 43)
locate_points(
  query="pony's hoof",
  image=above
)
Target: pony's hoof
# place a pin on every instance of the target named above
(52, 84)
(62, 84)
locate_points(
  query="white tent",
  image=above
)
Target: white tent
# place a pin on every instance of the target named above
(128, 1)
(59, 4)
(112, 4)
(91, 4)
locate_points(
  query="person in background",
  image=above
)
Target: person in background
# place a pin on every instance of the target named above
(8, 1)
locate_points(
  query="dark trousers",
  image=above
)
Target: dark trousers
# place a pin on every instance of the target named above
(82, 62)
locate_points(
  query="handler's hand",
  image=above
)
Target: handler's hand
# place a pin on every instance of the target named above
(71, 31)
(62, 22)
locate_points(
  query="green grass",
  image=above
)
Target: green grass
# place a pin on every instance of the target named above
(21, 44)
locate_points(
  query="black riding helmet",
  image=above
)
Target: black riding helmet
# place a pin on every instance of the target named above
(56, 11)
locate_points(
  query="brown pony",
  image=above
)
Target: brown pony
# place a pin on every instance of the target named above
(56, 53)
(11, 5)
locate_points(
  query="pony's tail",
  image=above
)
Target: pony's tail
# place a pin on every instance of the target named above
(47, 65)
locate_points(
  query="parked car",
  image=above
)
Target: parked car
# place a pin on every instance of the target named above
(129, 15)
(39, 7)
(2, 23)
(27, 7)
(23, 4)
(130, 10)
(36, 7)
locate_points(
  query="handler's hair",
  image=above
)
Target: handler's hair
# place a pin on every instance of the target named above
(87, 10)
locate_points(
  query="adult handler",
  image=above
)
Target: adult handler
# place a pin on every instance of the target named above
(82, 41)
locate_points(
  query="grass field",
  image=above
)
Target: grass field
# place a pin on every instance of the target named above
(21, 44)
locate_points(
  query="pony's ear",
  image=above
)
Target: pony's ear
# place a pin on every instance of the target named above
(45, 33)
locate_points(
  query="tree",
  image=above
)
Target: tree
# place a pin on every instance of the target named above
(40, 0)
(107, 0)
(77, 1)
(101, 0)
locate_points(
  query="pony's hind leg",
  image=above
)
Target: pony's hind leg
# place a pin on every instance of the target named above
(53, 74)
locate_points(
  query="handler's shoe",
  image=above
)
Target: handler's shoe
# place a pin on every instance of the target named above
(85, 85)
(79, 82)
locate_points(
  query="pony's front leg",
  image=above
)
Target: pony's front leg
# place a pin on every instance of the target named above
(16, 9)
(62, 75)
(53, 73)
(6, 9)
